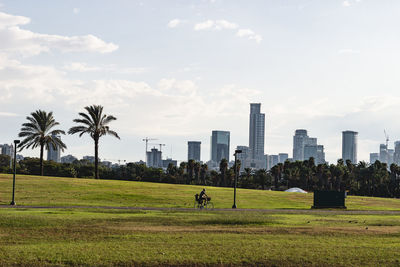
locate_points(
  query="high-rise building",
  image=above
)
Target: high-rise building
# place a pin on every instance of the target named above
(283, 157)
(68, 159)
(310, 151)
(54, 154)
(349, 146)
(299, 140)
(166, 162)
(396, 155)
(320, 155)
(383, 153)
(256, 132)
(154, 158)
(243, 157)
(194, 148)
(91, 159)
(7, 150)
(220, 142)
(373, 157)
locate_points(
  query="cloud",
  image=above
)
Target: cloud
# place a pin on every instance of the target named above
(247, 33)
(215, 25)
(227, 25)
(208, 24)
(346, 3)
(84, 67)
(76, 10)
(27, 43)
(174, 23)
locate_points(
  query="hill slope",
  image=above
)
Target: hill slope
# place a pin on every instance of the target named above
(55, 191)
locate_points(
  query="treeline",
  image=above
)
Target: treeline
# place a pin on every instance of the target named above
(358, 179)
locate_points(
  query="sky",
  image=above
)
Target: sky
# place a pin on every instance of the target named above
(176, 70)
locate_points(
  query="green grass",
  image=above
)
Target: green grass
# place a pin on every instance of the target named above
(123, 237)
(114, 237)
(35, 190)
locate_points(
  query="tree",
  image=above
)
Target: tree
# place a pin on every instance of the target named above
(38, 132)
(190, 170)
(203, 172)
(95, 123)
(197, 167)
(223, 168)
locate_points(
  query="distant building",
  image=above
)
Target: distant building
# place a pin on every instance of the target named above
(68, 159)
(373, 157)
(166, 162)
(7, 150)
(108, 164)
(383, 153)
(244, 157)
(272, 160)
(283, 157)
(220, 142)
(299, 140)
(310, 151)
(349, 146)
(396, 155)
(320, 155)
(194, 150)
(256, 133)
(154, 158)
(54, 154)
(91, 159)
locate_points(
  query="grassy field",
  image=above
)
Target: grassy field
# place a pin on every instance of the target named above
(115, 237)
(110, 237)
(48, 191)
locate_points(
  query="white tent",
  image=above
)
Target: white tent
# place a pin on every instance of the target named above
(295, 190)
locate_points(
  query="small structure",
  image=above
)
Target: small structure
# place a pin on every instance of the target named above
(329, 200)
(296, 190)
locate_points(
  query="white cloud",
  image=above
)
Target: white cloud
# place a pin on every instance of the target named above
(215, 25)
(84, 67)
(227, 25)
(346, 3)
(28, 43)
(76, 10)
(247, 33)
(174, 23)
(208, 24)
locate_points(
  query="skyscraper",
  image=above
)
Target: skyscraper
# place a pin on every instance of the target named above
(256, 132)
(299, 140)
(373, 157)
(220, 142)
(194, 150)
(349, 146)
(154, 158)
(54, 154)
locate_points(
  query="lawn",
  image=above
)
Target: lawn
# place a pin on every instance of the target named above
(289, 234)
(125, 237)
(54, 191)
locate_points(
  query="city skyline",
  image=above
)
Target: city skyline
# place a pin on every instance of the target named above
(175, 71)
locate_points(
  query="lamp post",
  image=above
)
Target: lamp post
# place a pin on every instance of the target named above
(237, 151)
(16, 142)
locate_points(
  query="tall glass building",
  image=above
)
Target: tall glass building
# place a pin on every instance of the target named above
(349, 146)
(220, 142)
(194, 150)
(256, 132)
(54, 154)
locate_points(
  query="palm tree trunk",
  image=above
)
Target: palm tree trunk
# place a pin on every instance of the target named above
(41, 159)
(96, 158)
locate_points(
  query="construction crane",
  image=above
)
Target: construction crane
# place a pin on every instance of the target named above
(147, 142)
(161, 145)
(387, 139)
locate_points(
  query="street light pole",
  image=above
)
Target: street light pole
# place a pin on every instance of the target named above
(16, 142)
(236, 178)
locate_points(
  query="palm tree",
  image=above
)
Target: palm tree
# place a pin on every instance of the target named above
(38, 132)
(95, 123)
(223, 168)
